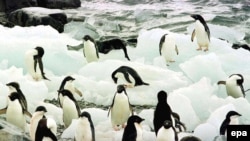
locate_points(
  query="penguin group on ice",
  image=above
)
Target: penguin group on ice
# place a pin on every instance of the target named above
(167, 123)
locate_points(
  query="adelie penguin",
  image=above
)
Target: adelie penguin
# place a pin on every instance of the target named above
(15, 108)
(133, 130)
(46, 130)
(90, 49)
(162, 112)
(120, 108)
(234, 85)
(231, 119)
(36, 117)
(201, 32)
(127, 76)
(67, 84)
(168, 48)
(34, 63)
(85, 130)
(167, 132)
(71, 109)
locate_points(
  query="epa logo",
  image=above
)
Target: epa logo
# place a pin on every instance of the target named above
(238, 132)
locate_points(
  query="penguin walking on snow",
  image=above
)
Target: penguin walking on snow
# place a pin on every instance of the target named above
(231, 119)
(133, 130)
(167, 132)
(36, 117)
(127, 76)
(90, 49)
(67, 84)
(234, 85)
(85, 130)
(71, 109)
(46, 130)
(168, 48)
(162, 112)
(201, 32)
(15, 114)
(34, 64)
(120, 108)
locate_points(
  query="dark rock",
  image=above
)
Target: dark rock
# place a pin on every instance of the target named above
(59, 3)
(39, 16)
(12, 5)
(244, 46)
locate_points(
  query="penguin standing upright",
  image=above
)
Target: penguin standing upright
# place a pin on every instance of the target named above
(234, 85)
(168, 48)
(231, 119)
(90, 49)
(36, 117)
(71, 109)
(162, 112)
(67, 84)
(120, 108)
(201, 32)
(46, 130)
(167, 132)
(85, 130)
(128, 76)
(32, 58)
(133, 130)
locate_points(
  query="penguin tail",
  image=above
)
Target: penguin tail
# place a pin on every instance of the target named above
(221, 82)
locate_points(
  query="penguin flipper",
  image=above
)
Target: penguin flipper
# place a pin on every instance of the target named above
(176, 50)
(27, 113)
(78, 92)
(193, 34)
(161, 42)
(40, 63)
(112, 104)
(126, 75)
(35, 62)
(3, 111)
(221, 82)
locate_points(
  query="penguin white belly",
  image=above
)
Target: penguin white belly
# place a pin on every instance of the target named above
(201, 35)
(33, 124)
(139, 132)
(121, 79)
(69, 111)
(168, 50)
(234, 120)
(47, 139)
(165, 135)
(14, 114)
(120, 111)
(233, 89)
(83, 130)
(29, 61)
(90, 51)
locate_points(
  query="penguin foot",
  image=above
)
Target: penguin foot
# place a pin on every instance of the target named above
(198, 49)
(123, 126)
(205, 50)
(116, 128)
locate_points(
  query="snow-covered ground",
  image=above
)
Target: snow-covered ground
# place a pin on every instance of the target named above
(191, 82)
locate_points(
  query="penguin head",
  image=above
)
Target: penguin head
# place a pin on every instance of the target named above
(69, 78)
(40, 51)
(120, 88)
(87, 37)
(13, 96)
(190, 138)
(232, 114)
(65, 92)
(41, 109)
(167, 124)
(13, 85)
(135, 119)
(162, 96)
(85, 115)
(198, 17)
(236, 77)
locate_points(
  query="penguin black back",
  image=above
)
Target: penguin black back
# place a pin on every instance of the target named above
(43, 131)
(162, 112)
(87, 115)
(130, 133)
(226, 121)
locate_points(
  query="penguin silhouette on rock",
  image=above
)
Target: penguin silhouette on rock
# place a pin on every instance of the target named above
(120, 108)
(162, 112)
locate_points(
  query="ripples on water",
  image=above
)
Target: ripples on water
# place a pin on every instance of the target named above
(130, 16)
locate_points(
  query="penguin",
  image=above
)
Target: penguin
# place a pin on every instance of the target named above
(32, 58)
(85, 130)
(90, 49)
(162, 111)
(190, 138)
(120, 108)
(231, 119)
(234, 85)
(14, 87)
(67, 84)
(36, 117)
(128, 76)
(71, 109)
(179, 126)
(201, 32)
(167, 132)
(15, 114)
(133, 130)
(46, 130)
(168, 48)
